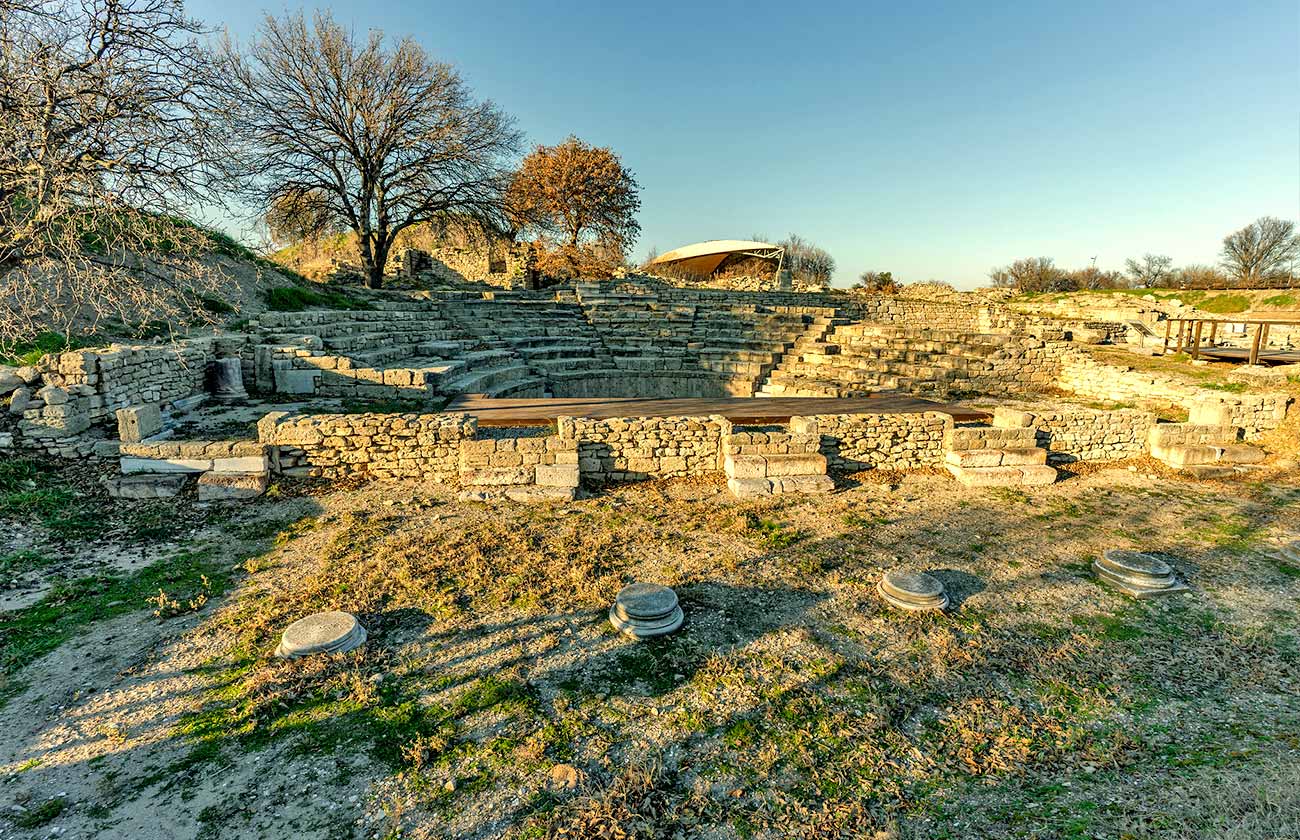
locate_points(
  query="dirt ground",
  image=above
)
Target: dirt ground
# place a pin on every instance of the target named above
(493, 699)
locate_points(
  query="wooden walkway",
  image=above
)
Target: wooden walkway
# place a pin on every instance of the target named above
(741, 410)
(1241, 354)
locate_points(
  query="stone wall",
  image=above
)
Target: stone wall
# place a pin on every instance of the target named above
(853, 442)
(121, 376)
(1086, 435)
(367, 445)
(1083, 375)
(636, 449)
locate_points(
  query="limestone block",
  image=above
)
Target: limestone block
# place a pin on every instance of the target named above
(21, 401)
(498, 476)
(146, 486)
(296, 381)
(138, 422)
(974, 458)
(231, 486)
(557, 475)
(784, 465)
(245, 464)
(10, 381)
(1241, 454)
(745, 466)
(132, 465)
(52, 395)
(749, 488)
(1210, 414)
(1010, 418)
(1023, 456)
(803, 484)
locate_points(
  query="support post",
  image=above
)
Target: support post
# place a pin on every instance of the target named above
(1182, 325)
(1164, 349)
(1254, 345)
(1196, 341)
(1214, 330)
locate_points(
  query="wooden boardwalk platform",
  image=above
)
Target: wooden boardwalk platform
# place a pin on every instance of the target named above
(1241, 354)
(742, 410)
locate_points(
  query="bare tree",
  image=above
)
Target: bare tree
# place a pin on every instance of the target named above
(103, 142)
(1151, 271)
(1262, 251)
(1033, 274)
(385, 136)
(806, 261)
(1200, 277)
(1093, 279)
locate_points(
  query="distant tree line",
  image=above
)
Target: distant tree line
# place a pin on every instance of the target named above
(1263, 254)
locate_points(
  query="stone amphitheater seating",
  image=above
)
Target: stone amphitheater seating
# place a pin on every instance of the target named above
(859, 358)
(625, 339)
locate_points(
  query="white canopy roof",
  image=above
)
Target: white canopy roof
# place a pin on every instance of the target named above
(705, 257)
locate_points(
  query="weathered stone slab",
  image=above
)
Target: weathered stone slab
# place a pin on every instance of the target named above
(228, 487)
(783, 465)
(974, 458)
(745, 466)
(749, 488)
(325, 632)
(498, 476)
(146, 486)
(557, 475)
(137, 422)
(1136, 573)
(912, 590)
(132, 465)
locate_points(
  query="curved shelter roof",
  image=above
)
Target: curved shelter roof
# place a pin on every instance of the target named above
(705, 257)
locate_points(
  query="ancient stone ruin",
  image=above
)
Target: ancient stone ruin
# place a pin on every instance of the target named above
(628, 380)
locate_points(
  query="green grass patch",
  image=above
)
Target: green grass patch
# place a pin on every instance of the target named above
(30, 633)
(1280, 300)
(298, 298)
(769, 533)
(1230, 387)
(31, 352)
(215, 305)
(1224, 304)
(40, 815)
(19, 563)
(29, 491)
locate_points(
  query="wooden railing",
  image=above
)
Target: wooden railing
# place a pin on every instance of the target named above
(1191, 331)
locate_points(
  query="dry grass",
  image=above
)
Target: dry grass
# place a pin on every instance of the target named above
(793, 703)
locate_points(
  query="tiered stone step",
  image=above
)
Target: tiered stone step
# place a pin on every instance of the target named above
(767, 462)
(986, 456)
(1202, 450)
(524, 469)
(854, 358)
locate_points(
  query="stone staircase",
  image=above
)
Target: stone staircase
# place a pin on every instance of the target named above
(547, 337)
(769, 461)
(1005, 454)
(522, 468)
(1203, 450)
(773, 381)
(859, 358)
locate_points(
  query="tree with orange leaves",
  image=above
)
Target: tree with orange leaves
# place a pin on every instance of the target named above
(581, 201)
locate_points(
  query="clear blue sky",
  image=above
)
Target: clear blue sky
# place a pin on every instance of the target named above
(935, 141)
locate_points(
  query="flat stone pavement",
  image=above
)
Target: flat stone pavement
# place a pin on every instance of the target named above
(741, 410)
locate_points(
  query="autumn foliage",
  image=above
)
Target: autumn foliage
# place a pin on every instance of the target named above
(580, 202)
